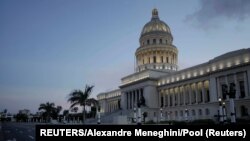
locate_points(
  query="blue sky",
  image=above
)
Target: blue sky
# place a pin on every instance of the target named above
(50, 47)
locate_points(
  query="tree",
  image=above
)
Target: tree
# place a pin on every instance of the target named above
(56, 111)
(48, 109)
(78, 97)
(93, 102)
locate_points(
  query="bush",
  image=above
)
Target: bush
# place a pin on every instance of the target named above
(150, 122)
(243, 121)
(202, 122)
(173, 122)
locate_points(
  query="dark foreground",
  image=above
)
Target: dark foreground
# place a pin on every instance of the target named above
(12, 131)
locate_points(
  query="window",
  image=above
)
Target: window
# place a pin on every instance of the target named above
(200, 112)
(207, 111)
(160, 41)
(176, 113)
(148, 42)
(154, 41)
(242, 89)
(149, 60)
(154, 114)
(154, 59)
(143, 61)
(193, 112)
(167, 59)
(162, 59)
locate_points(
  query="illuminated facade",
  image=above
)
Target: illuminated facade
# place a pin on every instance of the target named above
(188, 94)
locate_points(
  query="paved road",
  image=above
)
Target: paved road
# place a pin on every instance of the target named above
(18, 131)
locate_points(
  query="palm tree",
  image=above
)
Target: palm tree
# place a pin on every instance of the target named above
(93, 102)
(48, 109)
(78, 97)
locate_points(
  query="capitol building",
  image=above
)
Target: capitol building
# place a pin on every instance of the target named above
(172, 94)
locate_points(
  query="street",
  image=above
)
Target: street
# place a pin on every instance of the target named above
(13, 131)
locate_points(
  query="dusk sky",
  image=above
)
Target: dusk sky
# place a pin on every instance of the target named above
(50, 47)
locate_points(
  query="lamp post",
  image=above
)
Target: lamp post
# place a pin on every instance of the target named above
(161, 118)
(139, 114)
(186, 115)
(221, 117)
(99, 116)
(231, 94)
(231, 101)
(134, 119)
(224, 112)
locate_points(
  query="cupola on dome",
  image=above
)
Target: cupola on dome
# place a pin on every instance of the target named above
(155, 25)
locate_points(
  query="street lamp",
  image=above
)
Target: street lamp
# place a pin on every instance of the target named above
(134, 119)
(139, 113)
(161, 118)
(231, 94)
(224, 112)
(186, 115)
(99, 116)
(220, 111)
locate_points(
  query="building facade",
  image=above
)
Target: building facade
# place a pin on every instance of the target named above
(188, 94)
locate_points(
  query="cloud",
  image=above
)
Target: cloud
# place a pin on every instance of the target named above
(213, 11)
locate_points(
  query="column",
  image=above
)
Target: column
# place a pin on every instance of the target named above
(168, 97)
(218, 89)
(196, 93)
(178, 96)
(164, 98)
(212, 89)
(248, 82)
(127, 100)
(237, 94)
(173, 97)
(184, 95)
(190, 94)
(203, 91)
(245, 84)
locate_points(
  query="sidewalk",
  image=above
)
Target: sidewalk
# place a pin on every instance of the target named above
(1, 132)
